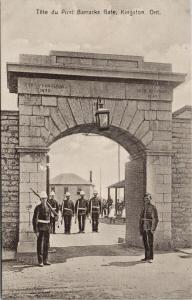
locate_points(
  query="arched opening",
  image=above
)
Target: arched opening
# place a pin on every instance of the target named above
(113, 137)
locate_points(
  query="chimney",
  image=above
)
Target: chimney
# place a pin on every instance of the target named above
(90, 176)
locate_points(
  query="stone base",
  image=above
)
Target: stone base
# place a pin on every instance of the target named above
(27, 247)
(8, 254)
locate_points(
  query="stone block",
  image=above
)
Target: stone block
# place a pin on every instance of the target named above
(164, 170)
(150, 115)
(159, 179)
(25, 110)
(142, 130)
(24, 177)
(37, 121)
(167, 197)
(129, 114)
(49, 101)
(163, 188)
(24, 197)
(81, 88)
(37, 177)
(57, 118)
(147, 139)
(144, 105)
(29, 100)
(136, 121)
(161, 145)
(66, 111)
(28, 167)
(162, 135)
(118, 112)
(108, 90)
(76, 110)
(51, 126)
(167, 220)
(165, 106)
(164, 115)
(87, 108)
(24, 120)
(25, 187)
(39, 86)
(41, 111)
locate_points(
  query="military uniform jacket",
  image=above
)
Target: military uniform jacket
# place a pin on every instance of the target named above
(68, 207)
(54, 205)
(148, 218)
(95, 205)
(41, 218)
(81, 207)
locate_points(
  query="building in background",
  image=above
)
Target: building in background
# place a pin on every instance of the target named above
(72, 183)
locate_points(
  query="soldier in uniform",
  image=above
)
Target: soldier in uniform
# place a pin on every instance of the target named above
(68, 210)
(55, 207)
(148, 223)
(41, 227)
(81, 211)
(95, 210)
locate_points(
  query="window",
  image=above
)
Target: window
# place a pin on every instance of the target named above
(53, 188)
(66, 189)
(78, 190)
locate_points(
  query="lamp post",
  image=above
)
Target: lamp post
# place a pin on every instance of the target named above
(102, 116)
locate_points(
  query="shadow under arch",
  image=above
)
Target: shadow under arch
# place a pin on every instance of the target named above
(119, 135)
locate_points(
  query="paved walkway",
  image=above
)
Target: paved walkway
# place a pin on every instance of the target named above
(94, 266)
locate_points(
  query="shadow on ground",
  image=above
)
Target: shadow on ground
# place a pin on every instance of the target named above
(61, 255)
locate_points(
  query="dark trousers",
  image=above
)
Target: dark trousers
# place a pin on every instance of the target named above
(43, 246)
(81, 221)
(95, 221)
(52, 219)
(67, 223)
(148, 244)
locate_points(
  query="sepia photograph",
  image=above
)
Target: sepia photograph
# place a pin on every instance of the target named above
(96, 149)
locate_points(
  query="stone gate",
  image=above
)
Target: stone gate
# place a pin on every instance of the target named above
(56, 98)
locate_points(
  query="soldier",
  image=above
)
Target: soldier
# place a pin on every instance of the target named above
(41, 227)
(148, 223)
(81, 211)
(68, 210)
(95, 210)
(55, 207)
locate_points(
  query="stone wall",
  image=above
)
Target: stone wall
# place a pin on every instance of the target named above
(10, 179)
(182, 179)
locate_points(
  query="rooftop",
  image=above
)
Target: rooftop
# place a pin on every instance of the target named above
(69, 179)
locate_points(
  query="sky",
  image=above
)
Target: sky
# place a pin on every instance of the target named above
(163, 37)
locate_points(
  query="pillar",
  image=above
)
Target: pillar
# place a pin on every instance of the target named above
(32, 175)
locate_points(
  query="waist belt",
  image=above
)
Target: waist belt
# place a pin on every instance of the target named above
(67, 208)
(95, 206)
(44, 221)
(144, 219)
(81, 208)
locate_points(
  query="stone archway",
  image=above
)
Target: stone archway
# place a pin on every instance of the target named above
(56, 96)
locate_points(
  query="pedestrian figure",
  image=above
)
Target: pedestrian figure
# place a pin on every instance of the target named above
(148, 223)
(55, 207)
(81, 211)
(68, 210)
(41, 227)
(95, 211)
(112, 214)
(104, 208)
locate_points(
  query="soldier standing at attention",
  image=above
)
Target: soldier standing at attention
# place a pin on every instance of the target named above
(68, 210)
(95, 210)
(81, 211)
(41, 227)
(148, 223)
(55, 207)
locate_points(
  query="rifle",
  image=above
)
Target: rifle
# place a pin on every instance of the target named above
(77, 211)
(48, 204)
